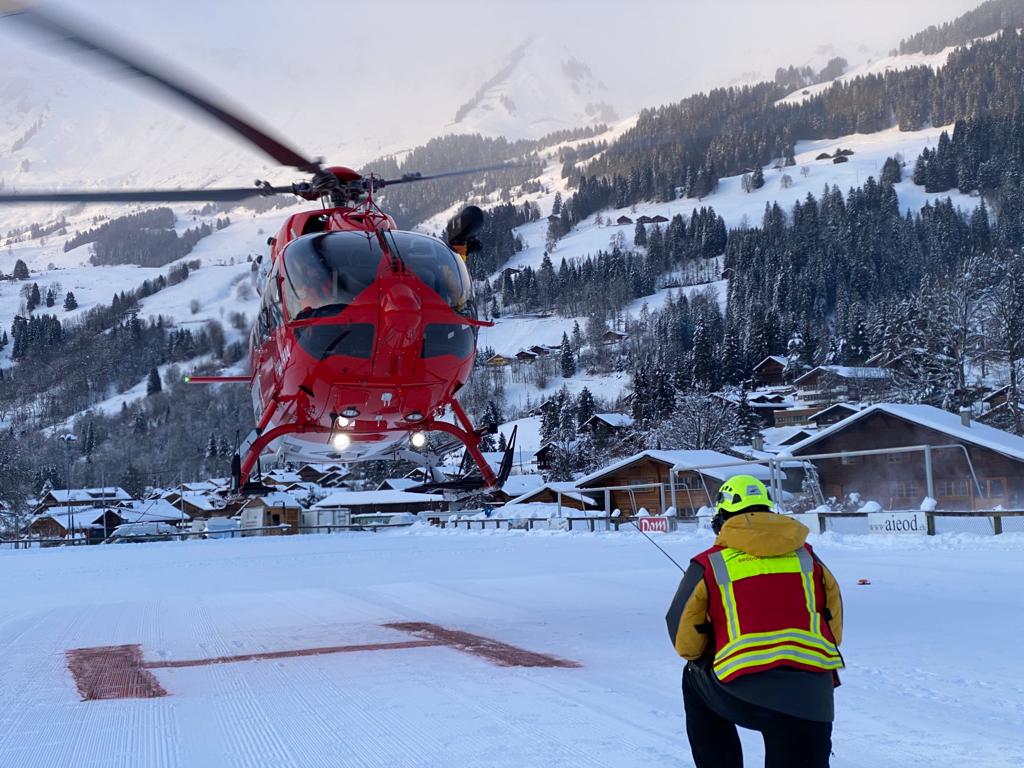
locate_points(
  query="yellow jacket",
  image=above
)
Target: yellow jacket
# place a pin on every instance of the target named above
(762, 534)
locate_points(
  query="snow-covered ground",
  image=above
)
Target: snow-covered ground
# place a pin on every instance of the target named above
(934, 677)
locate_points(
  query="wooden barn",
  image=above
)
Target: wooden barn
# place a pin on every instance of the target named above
(567, 495)
(900, 481)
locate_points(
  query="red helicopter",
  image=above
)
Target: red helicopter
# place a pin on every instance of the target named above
(365, 333)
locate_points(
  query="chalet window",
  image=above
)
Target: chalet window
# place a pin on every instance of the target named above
(904, 490)
(953, 489)
(996, 487)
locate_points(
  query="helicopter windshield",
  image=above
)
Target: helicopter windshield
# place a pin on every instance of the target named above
(438, 266)
(325, 272)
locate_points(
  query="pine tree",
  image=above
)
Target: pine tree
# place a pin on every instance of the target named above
(132, 481)
(567, 360)
(34, 299)
(211, 446)
(640, 235)
(585, 407)
(50, 298)
(577, 337)
(153, 383)
(89, 443)
(20, 270)
(502, 442)
(69, 302)
(757, 178)
(556, 206)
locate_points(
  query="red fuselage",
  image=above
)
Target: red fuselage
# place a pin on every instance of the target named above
(361, 320)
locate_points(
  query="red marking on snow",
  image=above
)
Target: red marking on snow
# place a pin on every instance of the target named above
(289, 654)
(121, 672)
(483, 647)
(112, 672)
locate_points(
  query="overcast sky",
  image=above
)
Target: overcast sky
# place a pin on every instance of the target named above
(417, 60)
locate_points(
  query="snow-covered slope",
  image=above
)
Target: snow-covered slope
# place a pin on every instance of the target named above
(541, 87)
(886, 64)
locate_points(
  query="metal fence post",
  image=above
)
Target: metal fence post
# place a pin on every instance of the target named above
(928, 476)
(997, 524)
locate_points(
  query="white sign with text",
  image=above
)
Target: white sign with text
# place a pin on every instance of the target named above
(898, 522)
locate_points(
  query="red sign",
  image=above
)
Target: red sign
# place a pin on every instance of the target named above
(654, 524)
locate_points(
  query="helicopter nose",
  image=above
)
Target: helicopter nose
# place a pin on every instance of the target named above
(402, 314)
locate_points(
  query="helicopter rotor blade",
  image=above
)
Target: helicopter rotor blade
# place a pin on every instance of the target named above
(103, 45)
(411, 177)
(145, 195)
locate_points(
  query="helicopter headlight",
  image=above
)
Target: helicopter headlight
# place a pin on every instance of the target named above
(418, 439)
(342, 441)
(342, 422)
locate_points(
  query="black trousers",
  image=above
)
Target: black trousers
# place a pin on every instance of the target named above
(789, 742)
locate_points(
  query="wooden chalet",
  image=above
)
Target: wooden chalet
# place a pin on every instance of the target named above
(525, 356)
(604, 426)
(324, 475)
(659, 219)
(657, 480)
(498, 361)
(92, 523)
(623, 220)
(645, 220)
(770, 372)
(82, 497)
(831, 384)
(899, 481)
(613, 337)
(840, 160)
(278, 510)
(198, 504)
(515, 486)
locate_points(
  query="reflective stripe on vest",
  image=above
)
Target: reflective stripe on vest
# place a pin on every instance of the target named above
(806, 647)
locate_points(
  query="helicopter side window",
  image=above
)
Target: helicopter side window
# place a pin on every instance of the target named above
(325, 272)
(448, 339)
(440, 268)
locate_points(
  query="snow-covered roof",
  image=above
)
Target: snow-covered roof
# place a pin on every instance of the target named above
(682, 461)
(567, 489)
(398, 483)
(150, 511)
(776, 436)
(375, 498)
(517, 485)
(930, 417)
(773, 359)
(72, 495)
(78, 518)
(283, 476)
(846, 372)
(198, 500)
(199, 487)
(853, 407)
(613, 419)
(275, 499)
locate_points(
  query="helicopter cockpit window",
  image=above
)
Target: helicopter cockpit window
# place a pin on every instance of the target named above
(435, 264)
(325, 272)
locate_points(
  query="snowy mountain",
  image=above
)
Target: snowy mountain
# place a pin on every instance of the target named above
(539, 88)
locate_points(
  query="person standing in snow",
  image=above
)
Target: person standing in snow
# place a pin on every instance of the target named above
(759, 619)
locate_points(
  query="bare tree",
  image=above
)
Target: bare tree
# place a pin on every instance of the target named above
(699, 421)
